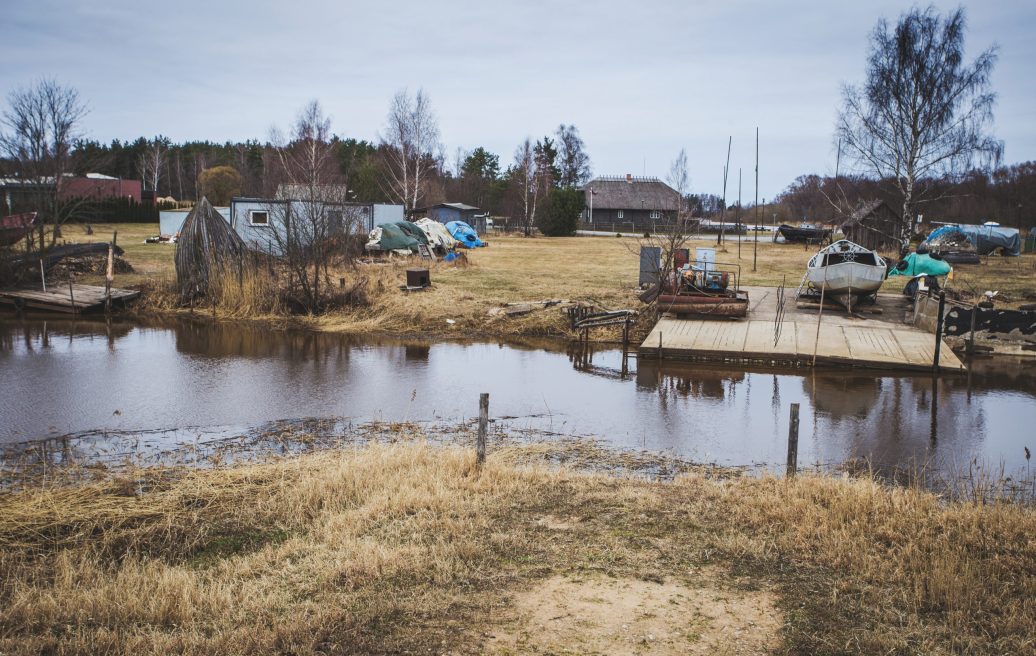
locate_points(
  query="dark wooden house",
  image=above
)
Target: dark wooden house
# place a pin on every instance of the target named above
(874, 225)
(629, 204)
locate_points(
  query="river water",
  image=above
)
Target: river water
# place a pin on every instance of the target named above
(61, 377)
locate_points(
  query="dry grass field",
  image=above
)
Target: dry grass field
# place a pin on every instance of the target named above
(408, 548)
(515, 269)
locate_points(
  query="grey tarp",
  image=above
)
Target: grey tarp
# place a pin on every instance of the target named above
(989, 238)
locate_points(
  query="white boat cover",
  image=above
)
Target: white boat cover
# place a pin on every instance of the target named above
(438, 235)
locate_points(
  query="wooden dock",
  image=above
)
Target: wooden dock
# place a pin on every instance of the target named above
(74, 299)
(844, 341)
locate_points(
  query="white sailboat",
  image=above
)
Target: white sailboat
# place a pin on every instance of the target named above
(845, 270)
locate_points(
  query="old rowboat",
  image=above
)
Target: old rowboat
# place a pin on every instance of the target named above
(845, 270)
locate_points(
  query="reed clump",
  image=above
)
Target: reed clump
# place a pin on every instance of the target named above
(400, 547)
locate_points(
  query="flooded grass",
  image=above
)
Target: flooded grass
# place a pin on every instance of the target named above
(395, 546)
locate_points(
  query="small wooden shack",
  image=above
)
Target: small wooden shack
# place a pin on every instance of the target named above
(874, 225)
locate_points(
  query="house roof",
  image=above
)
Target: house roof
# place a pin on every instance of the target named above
(866, 208)
(629, 193)
(460, 207)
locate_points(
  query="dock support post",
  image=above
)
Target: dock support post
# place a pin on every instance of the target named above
(71, 296)
(971, 333)
(793, 441)
(938, 330)
(660, 346)
(43, 275)
(483, 426)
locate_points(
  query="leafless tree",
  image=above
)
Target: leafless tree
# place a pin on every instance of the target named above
(573, 161)
(411, 145)
(923, 111)
(676, 221)
(526, 178)
(40, 126)
(311, 222)
(152, 163)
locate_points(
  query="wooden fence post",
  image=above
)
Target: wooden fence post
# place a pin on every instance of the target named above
(483, 426)
(793, 441)
(938, 330)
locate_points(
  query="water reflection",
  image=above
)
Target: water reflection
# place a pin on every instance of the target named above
(157, 381)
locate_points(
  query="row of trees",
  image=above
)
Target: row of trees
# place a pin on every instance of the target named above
(43, 140)
(1007, 194)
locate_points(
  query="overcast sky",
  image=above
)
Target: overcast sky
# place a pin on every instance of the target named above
(640, 79)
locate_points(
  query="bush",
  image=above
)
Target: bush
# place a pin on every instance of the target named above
(561, 217)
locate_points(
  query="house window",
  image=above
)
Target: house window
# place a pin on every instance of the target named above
(259, 217)
(655, 214)
(619, 215)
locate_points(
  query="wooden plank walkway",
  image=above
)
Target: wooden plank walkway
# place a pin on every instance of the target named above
(842, 341)
(60, 298)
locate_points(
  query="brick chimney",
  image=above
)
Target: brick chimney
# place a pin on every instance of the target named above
(629, 178)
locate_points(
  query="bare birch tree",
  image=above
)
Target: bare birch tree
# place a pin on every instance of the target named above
(527, 180)
(411, 144)
(152, 163)
(310, 220)
(40, 126)
(923, 111)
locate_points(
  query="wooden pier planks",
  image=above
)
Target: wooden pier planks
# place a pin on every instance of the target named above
(877, 344)
(83, 298)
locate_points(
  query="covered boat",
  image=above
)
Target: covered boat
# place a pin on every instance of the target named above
(16, 226)
(845, 270)
(439, 238)
(804, 234)
(464, 234)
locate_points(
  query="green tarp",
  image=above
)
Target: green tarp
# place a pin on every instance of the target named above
(401, 235)
(917, 264)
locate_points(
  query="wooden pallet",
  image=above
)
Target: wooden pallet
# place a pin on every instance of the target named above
(77, 299)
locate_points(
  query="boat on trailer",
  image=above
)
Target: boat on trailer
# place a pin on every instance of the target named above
(845, 271)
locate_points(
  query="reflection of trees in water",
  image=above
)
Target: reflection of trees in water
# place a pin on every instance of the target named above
(687, 381)
(842, 395)
(895, 421)
(40, 334)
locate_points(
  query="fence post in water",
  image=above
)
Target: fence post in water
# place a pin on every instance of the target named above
(71, 295)
(971, 334)
(938, 329)
(483, 426)
(793, 441)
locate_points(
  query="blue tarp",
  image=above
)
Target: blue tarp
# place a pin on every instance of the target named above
(464, 234)
(985, 239)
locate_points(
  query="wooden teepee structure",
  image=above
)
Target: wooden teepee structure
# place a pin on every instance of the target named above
(207, 247)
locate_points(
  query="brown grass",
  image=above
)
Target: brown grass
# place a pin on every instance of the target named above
(516, 269)
(406, 547)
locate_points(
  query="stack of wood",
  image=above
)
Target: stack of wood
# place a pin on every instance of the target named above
(207, 250)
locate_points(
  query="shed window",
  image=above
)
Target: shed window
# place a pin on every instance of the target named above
(619, 215)
(655, 214)
(259, 217)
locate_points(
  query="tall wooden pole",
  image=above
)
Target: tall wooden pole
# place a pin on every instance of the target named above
(755, 246)
(723, 213)
(738, 224)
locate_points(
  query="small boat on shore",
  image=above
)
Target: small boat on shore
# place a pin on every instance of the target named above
(804, 234)
(16, 226)
(844, 271)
